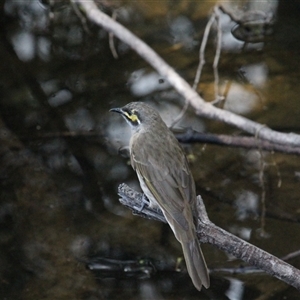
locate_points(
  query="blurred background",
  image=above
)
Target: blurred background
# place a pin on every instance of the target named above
(63, 232)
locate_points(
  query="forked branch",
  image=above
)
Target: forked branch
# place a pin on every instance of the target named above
(201, 107)
(207, 231)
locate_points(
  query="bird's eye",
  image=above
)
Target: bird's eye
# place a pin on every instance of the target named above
(132, 116)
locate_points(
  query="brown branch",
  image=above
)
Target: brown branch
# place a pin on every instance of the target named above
(201, 107)
(227, 242)
(236, 141)
(188, 137)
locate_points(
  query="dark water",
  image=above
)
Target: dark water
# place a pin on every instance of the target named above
(60, 163)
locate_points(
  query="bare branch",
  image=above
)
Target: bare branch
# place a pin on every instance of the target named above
(181, 114)
(212, 234)
(133, 200)
(235, 141)
(202, 108)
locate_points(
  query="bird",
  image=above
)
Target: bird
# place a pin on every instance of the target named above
(166, 180)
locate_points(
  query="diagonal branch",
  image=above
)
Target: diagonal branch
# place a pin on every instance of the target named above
(208, 232)
(202, 108)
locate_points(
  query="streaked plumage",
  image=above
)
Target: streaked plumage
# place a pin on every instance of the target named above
(166, 180)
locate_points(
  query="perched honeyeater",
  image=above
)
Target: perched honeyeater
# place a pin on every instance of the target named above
(166, 180)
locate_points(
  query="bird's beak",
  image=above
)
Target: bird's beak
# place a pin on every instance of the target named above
(117, 110)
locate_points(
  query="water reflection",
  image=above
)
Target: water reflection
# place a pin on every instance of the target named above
(247, 204)
(24, 45)
(59, 199)
(256, 74)
(183, 32)
(241, 99)
(31, 14)
(80, 120)
(242, 232)
(60, 97)
(236, 289)
(142, 83)
(251, 24)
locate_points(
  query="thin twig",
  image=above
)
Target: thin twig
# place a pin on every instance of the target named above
(277, 170)
(217, 56)
(80, 17)
(181, 114)
(263, 194)
(111, 37)
(291, 255)
(202, 50)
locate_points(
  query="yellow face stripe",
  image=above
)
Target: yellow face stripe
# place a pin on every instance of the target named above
(132, 118)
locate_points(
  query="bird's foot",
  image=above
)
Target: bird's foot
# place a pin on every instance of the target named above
(145, 202)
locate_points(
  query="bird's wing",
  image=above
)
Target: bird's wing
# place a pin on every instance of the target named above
(173, 188)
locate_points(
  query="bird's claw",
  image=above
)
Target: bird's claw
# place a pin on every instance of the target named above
(145, 202)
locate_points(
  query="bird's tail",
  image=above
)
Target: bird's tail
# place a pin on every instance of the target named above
(195, 263)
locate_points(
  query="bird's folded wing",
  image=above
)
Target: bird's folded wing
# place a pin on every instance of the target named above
(171, 188)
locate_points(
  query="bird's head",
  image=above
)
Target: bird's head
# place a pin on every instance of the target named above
(138, 115)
